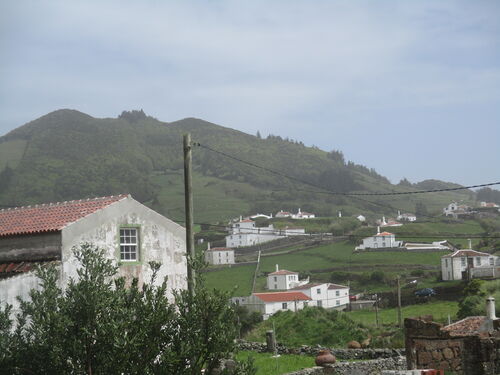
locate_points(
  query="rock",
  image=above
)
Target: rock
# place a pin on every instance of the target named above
(353, 345)
(325, 357)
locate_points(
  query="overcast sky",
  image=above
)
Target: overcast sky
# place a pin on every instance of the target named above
(410, 88)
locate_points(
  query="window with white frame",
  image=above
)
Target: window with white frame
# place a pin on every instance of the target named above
(284, 306)
(129, 244)
(337, 302)
(463, 262)
(318, 291)
(492, 262)
(337, 293)
(478, 261)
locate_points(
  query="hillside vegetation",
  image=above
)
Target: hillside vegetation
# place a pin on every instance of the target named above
(67, 154)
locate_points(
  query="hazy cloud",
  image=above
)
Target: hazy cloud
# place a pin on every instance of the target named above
(410, 88)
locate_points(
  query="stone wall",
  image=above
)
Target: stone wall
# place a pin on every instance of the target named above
(345, 354)
(372, 367)
(428, 346)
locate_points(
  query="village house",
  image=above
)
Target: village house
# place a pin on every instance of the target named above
(388, 223)
(270, 303)
(326, 295)
(131, 234)
(303, 215)
(219, 255)
(455, 210)
(361, 218)
(283, 214)
(379, 240)
(465, 264)
(284, 280)
(246, 233)
(488, 205)
(406, 217)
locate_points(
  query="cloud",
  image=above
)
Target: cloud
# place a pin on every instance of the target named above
(336, 68)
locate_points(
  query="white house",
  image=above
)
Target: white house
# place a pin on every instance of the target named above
(303, 215)
(284, 280)
(406, 216)
(455, 210)
(361, 218)
(261, 216)
(380, 240)
(294, 231)
(219, 255)
(131, 234)
(246, 233)
(388, 223)
(270, 303)
(459, 264)
(327, 295)
(283, 214)
(488, 205)
(436, 245)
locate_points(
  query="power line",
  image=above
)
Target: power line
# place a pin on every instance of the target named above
(326, 191)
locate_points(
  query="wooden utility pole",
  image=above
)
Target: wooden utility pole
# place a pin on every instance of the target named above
(188, 197)
(399, 303)
(376, 310)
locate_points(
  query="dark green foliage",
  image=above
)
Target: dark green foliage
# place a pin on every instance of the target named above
(98, 325)
(311, 326)
(472, 302)
(377, 276)
(246, 319)
(421, 209)
(488, 195)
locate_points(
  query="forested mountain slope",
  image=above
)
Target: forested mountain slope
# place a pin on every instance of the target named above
(67, 154)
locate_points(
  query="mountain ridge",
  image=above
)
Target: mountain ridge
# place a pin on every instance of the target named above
(67, 154)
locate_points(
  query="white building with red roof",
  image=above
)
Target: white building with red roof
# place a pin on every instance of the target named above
(131, 234)
(219, 255)
(270, 303)
(326, 295)
(462, 264)
(381, 240)
(284, 280)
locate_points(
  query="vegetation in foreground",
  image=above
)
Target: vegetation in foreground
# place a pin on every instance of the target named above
(266, 364)
(310, 326)
(98, 325)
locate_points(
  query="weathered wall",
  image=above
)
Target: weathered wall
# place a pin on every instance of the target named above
(18, 285)
(161, 240)
(427, 346)
(30, 247)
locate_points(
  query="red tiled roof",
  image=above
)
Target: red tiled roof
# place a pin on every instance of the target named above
(337, 286)
(467, 326)
(385, 234)
(50, 217)
(283, 272)
(466, 253)
(12, 268)
(246, 221)
(282, 296)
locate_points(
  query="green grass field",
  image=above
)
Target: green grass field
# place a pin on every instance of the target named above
(237, 280)
(438, 309)
(266, 364)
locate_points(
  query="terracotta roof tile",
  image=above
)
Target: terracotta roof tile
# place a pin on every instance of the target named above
(50, 217)
(469, 326)
(16, 268)
(466, 253)
(282, 296)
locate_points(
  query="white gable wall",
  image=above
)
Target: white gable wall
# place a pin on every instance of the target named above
(161, 240)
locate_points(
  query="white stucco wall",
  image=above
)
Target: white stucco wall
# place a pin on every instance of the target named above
(452, 268)
(161, 240)
(282, 282)
(219, 256)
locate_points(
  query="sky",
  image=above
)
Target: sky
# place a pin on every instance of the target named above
(410, 88)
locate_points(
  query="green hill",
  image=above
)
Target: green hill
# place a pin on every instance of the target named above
(67, 154)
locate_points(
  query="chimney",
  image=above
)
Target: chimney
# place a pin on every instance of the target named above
(277, 268)
(490, 308)
(378, 230)
(470, 244)
(241, 218)
(208, 246)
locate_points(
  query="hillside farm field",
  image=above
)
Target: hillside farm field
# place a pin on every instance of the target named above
(321, 260)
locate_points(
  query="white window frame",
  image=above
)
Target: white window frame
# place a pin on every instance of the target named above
(129, 244)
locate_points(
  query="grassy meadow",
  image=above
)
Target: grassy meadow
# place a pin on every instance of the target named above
(266, 364)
